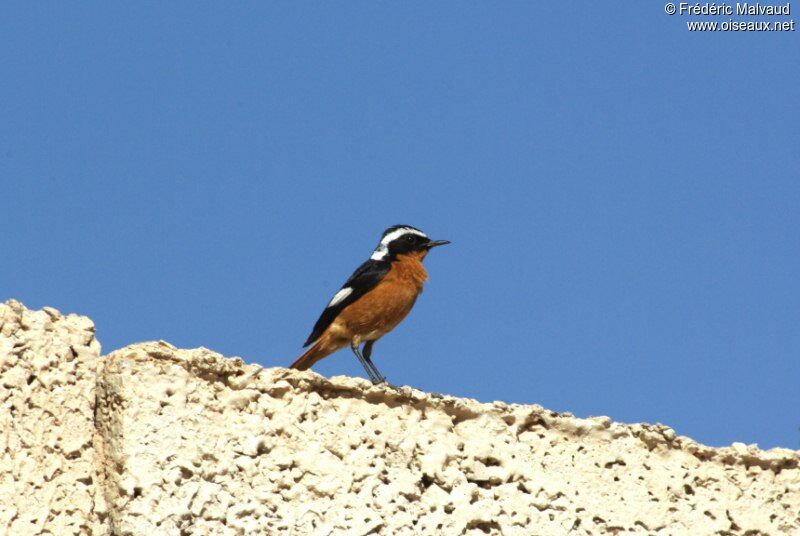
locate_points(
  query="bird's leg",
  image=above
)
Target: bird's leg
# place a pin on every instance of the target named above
(367, 354)
(370, 373)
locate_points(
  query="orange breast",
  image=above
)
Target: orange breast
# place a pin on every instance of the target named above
(382, 308)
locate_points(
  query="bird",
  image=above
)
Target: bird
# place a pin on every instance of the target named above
(373, 301)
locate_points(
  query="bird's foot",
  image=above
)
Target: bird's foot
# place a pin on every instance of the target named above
(382, 381)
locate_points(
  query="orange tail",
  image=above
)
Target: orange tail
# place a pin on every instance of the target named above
(324, 346)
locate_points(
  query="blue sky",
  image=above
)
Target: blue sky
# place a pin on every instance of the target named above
(623, 196)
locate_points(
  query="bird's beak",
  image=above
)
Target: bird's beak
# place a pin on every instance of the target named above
(434, 243)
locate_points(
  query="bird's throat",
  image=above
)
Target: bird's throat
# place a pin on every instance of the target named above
(409, 266)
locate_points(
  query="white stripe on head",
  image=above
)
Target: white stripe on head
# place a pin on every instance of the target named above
(339, 296)
(383, 248)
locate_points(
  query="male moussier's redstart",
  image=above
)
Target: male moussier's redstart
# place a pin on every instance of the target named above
(378, 295)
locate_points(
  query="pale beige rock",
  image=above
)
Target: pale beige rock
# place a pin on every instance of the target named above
(48, 375)
(208, 445)
(189, 442)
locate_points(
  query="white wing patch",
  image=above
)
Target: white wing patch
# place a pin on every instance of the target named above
(383, 248)
(342, 294)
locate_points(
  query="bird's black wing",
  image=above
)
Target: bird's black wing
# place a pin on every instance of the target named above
(362, 281)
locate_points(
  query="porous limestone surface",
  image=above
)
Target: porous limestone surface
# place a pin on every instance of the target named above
(194, 443)
(48, 365)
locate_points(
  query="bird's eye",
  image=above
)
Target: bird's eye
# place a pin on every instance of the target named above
(410, 238)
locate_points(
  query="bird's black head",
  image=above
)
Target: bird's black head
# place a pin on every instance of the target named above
(404, 239)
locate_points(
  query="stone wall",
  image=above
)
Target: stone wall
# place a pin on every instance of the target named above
(48, 366)
(191, 442)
